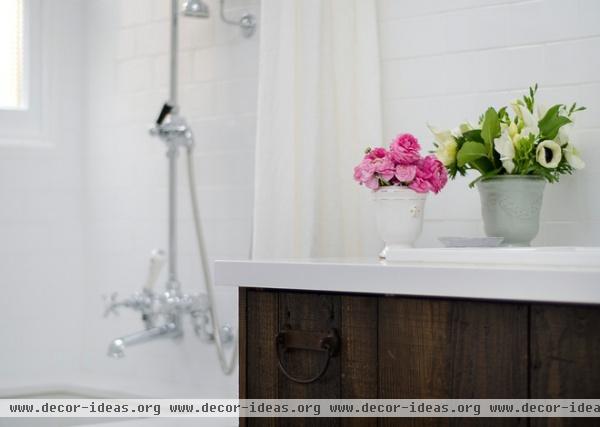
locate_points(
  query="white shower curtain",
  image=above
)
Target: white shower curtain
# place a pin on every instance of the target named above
(318, 109)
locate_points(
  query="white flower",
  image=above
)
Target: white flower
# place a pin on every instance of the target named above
(563, 136)
(509, 165)
(529, 119)
(440, 135)
(513, 132)
(505, 147)
(446, 152)
(446, 146)
(464, 127)
(541, 111)
(573, 157)
(548, 154)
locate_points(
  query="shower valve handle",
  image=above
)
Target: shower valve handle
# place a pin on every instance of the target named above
(157, 261)
(164, 112)
(111, 304)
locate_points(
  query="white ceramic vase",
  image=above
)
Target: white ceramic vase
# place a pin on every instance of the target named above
(399, 217)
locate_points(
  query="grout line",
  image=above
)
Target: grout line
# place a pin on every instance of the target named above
(492, 91)
(491, 48)
(460, 9)
(529, 361)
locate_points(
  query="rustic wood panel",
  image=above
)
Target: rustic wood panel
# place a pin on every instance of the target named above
(242, 348)
(318, 313)
(261, 358)
(452, 349)
(421, 348)
(490, 350)
(413, 354)
(565, 354)
(359, 353)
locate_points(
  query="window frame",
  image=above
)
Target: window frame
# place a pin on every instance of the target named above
(31, 125)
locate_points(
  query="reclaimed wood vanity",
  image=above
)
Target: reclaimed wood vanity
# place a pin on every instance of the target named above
(370, 329)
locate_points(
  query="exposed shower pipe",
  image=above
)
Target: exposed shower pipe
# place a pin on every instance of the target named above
(174, 60)
(171, 305)
(173, 149)
(226, 366)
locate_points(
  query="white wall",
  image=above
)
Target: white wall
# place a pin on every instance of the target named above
(444, 62)
(40, 220)
(126, 209)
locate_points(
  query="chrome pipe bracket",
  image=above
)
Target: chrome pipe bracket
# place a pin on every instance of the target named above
(247, 22)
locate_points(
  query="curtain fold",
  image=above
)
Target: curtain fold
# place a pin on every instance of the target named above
(318, 109)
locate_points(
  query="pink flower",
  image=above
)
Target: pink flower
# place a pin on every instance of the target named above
(381, 161)
(402, 166)
(431, 171)
(420, 185)
(372, 183)
(365, 172)
(385, 168)
(376, 153)
(405, 149)
(405, 173)
(376, 165)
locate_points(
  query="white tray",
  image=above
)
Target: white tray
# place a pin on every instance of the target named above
(568, 256)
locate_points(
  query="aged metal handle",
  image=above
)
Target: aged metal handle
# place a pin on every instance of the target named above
(289, 339)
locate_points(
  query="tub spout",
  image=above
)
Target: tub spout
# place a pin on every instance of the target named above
(116, 349)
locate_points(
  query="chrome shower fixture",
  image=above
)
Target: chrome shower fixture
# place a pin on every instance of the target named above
(199, 9)
(195, 9)
(247, 22)
(163, 312)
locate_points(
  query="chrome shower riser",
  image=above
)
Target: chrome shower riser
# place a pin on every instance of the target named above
(169, 308)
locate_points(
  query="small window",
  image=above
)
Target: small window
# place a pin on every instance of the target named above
(12, 80)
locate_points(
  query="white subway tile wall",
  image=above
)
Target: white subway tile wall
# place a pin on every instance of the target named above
(41, 230)
(444, 62)
(126, 206)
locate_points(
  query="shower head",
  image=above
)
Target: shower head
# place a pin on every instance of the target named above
(195, 9)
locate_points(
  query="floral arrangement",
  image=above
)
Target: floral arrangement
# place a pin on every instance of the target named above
(535, 141)
(401, 165)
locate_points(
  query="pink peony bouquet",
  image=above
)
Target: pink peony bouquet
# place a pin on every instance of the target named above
(402, 166)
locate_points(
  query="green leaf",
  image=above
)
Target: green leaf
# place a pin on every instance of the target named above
(483, 165)
(530, 100)
(486, 175)
(503, 115)
(552, 122)
(469, 152)
(473, 135)
(490, 129)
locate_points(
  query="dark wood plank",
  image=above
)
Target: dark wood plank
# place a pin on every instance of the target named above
(242, 348)
(565, 355)
(413, 354)
(490, 355)
(490, 350)
(452, 349)
(359, 353)
(261, 357)
(314, 313)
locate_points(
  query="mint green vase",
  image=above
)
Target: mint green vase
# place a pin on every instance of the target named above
(510, 207)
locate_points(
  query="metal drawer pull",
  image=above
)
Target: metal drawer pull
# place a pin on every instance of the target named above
(289, 339)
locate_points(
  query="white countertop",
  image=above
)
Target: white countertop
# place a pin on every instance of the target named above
(565, 274)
